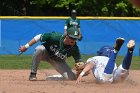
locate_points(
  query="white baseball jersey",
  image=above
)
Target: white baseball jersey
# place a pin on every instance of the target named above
(98, 71)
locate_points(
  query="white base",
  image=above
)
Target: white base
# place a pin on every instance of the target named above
(55, 77)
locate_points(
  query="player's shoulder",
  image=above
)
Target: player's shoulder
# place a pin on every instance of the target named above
(56, 33)
(52, 34)
(69, 18)
(98, 58)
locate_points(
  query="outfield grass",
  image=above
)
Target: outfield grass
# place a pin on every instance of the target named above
(24, 62)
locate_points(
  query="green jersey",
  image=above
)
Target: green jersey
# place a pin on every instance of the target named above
(53, 43)
(72, 23)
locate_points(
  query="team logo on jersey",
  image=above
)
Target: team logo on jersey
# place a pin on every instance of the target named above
(57, 52)
(73, 23)
(55, 46)
(76, 33)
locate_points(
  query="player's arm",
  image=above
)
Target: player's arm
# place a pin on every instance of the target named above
(79, 64)
(79, 26)
(66, 27)
(76, 54)
(80, 34)
(30, 43)
(65, 30)
(87, 68)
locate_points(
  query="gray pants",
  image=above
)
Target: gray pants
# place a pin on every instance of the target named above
(61, 66)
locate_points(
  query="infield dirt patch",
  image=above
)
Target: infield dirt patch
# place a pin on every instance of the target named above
(16, 81)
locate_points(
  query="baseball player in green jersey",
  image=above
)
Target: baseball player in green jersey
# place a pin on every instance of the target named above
(72, 21)
(55, 48)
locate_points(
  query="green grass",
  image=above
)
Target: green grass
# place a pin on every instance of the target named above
(24, 62)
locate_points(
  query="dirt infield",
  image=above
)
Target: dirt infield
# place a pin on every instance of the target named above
(16, 81)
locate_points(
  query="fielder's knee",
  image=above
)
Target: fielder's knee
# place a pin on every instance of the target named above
(39, 49)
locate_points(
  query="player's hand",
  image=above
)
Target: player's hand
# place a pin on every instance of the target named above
(80, 38)
(79, 79)
(22, 49)
(78, 67)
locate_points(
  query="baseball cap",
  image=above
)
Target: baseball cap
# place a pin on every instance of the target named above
(73, 33)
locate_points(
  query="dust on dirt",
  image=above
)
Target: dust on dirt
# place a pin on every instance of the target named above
(16, 81)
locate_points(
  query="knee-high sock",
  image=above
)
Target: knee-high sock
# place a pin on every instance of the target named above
(111, 63)
(127, 60)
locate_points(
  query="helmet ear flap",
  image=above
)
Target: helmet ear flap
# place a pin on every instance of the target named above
(99, 53)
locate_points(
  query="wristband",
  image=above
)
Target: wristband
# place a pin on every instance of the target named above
(27, 45)
(65, 27)
(82, 73)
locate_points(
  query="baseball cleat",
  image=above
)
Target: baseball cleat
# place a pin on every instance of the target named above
(119, 43)
(32, 77)
(131, 45)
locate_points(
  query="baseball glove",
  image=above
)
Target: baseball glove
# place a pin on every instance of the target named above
(79, 68)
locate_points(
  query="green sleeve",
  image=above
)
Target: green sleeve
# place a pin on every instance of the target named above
(44, 37)
(78, 23)
(76, 54)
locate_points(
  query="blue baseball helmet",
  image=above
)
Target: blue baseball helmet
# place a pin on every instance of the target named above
(105, 51)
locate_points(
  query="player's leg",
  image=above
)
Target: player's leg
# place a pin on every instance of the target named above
(39, 53)
(111, 62)
(122, 71)
(127, 60)
(63, 69)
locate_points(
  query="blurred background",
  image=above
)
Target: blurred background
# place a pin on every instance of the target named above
(63, 8)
